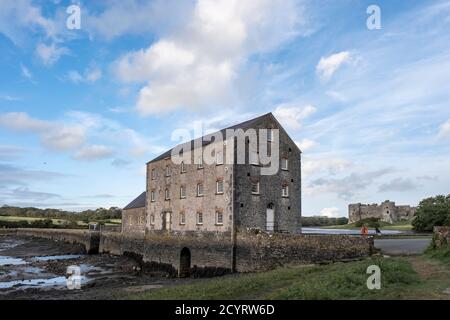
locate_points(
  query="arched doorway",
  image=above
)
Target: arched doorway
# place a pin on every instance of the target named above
(185, 263)
(270, 217)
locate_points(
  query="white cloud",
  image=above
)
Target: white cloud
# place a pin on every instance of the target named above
(306, 144)
(444, 130)
(25, 72)
(197, 65)
(331, 212)
(327, 66)
(326, 164)
(87, 136)
(55, 136)
(19, 17)
(90, 75)
(398, 184)
(75, 76)
(291, 115)
(94, 152)
(348, 186)
(49, 54)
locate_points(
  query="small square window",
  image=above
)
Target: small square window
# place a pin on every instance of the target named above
(285, 191)
(182, 192)
(199, 218)
(219, 186)
(284, 163)
(219, 217)
(199, 190)
(182, 218)
(255, 187)
(167, 194)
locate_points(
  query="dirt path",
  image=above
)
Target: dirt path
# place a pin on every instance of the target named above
(434, 274)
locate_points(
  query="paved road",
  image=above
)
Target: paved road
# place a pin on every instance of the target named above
(402, 246)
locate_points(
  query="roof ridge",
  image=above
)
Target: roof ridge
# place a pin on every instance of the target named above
(246, 122)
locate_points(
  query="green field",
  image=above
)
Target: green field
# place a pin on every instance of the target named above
(29, 219)
(401, 278)
(402, 226)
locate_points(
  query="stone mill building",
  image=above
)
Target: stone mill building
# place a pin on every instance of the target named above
(222, 195)
(214, 205)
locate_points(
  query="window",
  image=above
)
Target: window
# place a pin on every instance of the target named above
(182, 218)
(152, 219)
(200, 163)
(183, 167)
(254, 158)
(153, 174)
(141, 220)
(167, 171)
(152, 196)
(269, 135)
(219, 186)
(199, 190)
(285, 191)
(219, 157)
(255, 187)
(199, 218)
(284, 163)
(182, 192)
(219, 217)
(167, 193)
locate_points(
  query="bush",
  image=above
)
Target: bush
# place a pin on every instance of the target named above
(368, 222)
(434, 211)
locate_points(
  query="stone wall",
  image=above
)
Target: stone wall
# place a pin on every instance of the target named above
(167, 213)
(133, 220)
(211, 253)
(262, 251)
(441, 236)
(251, 209)
(90, 239)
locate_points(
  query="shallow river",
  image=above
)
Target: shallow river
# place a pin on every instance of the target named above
(310, 230)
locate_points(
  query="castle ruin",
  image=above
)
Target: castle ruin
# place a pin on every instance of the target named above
(386, 211)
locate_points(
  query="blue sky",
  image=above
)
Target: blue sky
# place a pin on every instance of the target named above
(82, 111)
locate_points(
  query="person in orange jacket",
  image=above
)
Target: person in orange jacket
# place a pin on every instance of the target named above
(364, 230)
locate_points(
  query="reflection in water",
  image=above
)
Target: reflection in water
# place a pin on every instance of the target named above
(5, 261)
(61, 257)
(52, 282)
(344, 231)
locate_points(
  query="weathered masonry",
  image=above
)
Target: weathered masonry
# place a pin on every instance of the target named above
(387, 211)
(89, 239)
(199, 217)
(218, 197)
(211, 253)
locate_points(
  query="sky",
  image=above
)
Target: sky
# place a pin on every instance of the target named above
(83, 109)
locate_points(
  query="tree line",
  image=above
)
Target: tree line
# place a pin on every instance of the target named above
(86, 216)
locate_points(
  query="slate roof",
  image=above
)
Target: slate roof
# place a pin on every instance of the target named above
(243, 125)
(139, 202)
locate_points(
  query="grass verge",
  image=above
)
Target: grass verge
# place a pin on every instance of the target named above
(334, 281)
